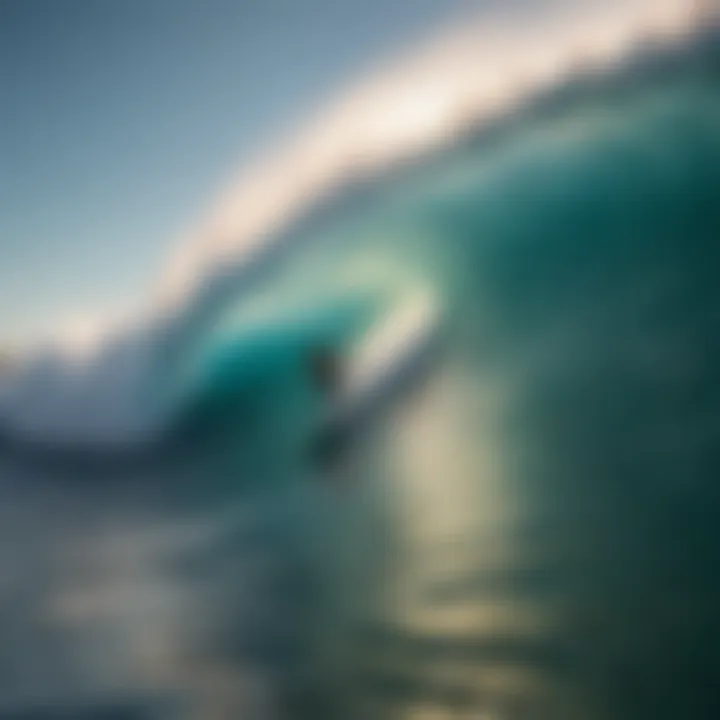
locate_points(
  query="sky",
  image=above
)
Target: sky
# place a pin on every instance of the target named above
(120, 121)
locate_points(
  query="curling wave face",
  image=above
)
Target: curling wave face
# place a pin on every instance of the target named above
(304, 205)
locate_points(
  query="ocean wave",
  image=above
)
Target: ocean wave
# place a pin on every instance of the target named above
(308, 212)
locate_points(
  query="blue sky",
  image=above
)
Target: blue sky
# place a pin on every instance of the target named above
(120, 121)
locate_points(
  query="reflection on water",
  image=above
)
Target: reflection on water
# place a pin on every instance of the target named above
(540, 558)
(467, 622)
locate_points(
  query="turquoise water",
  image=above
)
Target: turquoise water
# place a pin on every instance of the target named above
(531, 534)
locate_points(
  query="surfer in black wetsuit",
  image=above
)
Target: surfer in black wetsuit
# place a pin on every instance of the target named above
(349, 413)
(326, 371)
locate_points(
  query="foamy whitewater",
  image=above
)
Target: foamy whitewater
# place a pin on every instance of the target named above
(524, 213)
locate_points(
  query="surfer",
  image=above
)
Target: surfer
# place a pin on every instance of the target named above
(359, 392)
(327, 376)
(326, 371)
